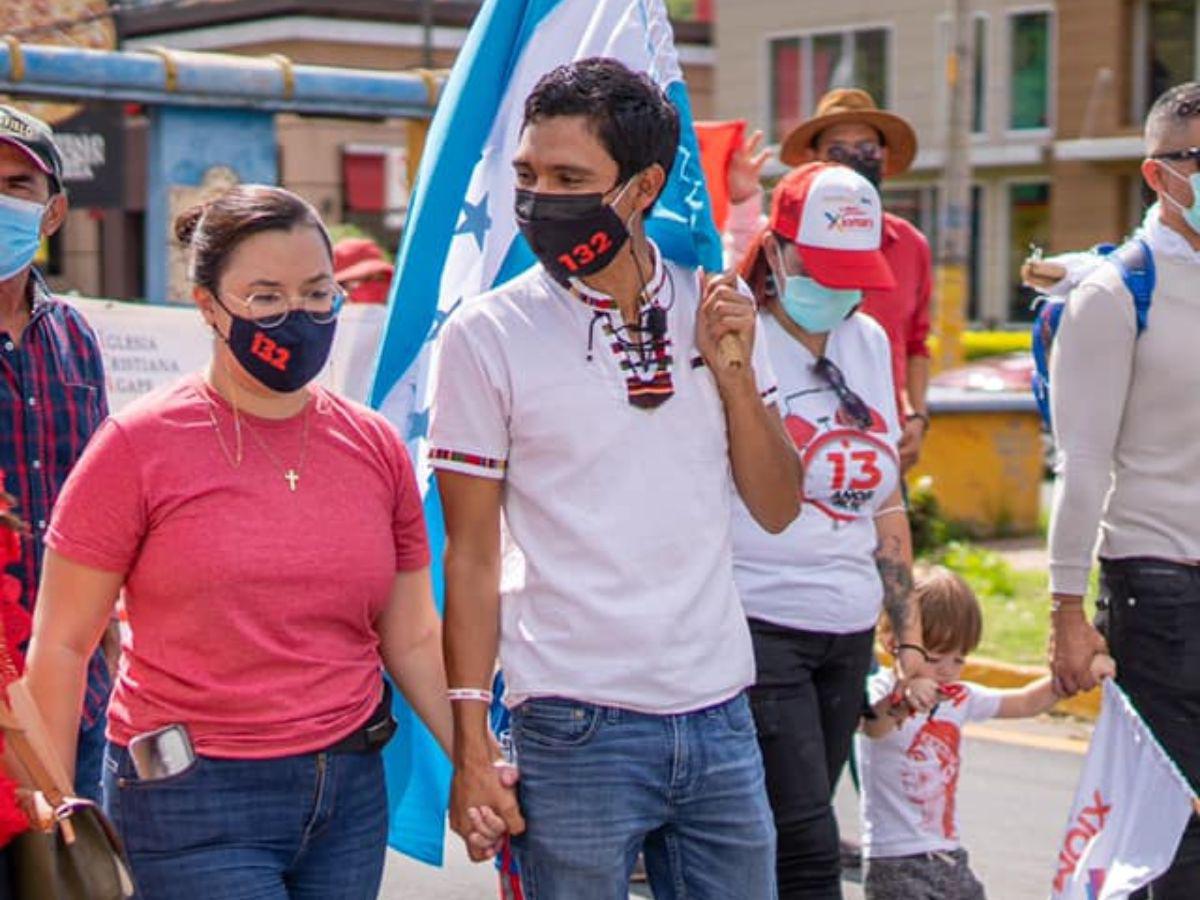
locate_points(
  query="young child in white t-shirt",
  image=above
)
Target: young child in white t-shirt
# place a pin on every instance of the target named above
(909, 763)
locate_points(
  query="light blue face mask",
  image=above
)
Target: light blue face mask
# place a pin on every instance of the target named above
(814, 307)
(20, 234)
(1191, 214)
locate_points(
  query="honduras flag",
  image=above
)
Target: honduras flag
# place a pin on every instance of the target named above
(461, 240)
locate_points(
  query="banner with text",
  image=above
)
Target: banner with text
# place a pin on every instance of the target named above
(146, 346)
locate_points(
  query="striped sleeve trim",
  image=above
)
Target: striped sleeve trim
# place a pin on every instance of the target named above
(770, 395)
(467, 463)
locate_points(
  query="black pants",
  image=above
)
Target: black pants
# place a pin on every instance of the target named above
(807, 700)
(1149, 611)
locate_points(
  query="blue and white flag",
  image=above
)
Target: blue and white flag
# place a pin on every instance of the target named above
(1130, 810)
(461, 240)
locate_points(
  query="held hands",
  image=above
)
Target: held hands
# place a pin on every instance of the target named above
(1077, 652)
(483, 806)
(725, 329)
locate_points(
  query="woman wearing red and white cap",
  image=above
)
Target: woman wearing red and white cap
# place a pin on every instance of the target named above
(814, 592)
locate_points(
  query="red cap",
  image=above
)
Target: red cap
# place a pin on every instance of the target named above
(835, 218)
(357, 258)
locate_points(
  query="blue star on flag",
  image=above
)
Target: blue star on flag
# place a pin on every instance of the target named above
(439, 319)
(475, 220)
(418, 424)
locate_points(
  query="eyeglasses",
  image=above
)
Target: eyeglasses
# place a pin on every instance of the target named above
(852, 405)
(268, 309)
(845, 153)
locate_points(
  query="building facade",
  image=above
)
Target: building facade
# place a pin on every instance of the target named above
(1060, 90)
(354, 171)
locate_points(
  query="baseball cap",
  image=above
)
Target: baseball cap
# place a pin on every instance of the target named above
(355, 258)
(835, 218)
(34, 138)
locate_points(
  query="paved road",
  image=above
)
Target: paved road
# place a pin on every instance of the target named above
(1013, 798)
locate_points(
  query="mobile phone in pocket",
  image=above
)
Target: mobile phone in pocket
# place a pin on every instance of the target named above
(161, 753)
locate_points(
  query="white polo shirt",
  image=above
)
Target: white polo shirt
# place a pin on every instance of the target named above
(623, 594)
(819, 574)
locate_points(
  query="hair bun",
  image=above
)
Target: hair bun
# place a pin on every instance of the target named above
(187, 221)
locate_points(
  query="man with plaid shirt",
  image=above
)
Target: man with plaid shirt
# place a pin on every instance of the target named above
(51, 380)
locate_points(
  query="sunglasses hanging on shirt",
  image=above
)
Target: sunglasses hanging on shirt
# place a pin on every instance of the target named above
(852, 406)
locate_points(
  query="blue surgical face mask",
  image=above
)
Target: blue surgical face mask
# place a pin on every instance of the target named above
(20, 234)
(1191, 214)
(814, 307)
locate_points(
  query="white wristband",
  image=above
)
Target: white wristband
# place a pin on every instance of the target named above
(456, 695)
(890, 510)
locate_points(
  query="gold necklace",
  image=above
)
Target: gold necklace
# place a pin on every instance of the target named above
(290, 475)
(234, 459)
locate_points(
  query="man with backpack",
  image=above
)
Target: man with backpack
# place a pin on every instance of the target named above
(1125, 398)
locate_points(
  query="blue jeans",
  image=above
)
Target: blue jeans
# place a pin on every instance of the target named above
(308, 827)
(598, 784)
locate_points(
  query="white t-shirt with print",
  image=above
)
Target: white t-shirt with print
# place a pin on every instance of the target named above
(819, 574)
(910, 777)
(622, 593)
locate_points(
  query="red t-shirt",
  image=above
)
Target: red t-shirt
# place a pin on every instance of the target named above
(251, 608)
(903, 311)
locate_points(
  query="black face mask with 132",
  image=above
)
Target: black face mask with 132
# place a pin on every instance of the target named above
(572, 235)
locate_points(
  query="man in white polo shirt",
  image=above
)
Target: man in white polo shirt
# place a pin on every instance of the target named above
(587, 402)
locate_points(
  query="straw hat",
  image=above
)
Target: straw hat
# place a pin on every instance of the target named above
(853, 105)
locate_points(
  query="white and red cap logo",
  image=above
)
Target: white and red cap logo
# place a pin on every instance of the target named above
(835, 218)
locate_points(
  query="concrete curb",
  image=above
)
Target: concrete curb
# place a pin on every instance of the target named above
(993, 673)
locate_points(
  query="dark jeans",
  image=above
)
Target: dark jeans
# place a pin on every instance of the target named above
(1149, 610)
(807, 700)
(306, 827)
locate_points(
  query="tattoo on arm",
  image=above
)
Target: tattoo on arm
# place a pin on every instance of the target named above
(896, 575)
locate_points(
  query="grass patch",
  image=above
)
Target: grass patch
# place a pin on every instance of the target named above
(1015, 627)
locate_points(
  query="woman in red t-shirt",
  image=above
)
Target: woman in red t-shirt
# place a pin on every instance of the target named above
(267, 541)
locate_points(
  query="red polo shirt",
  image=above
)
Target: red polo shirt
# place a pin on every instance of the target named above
(904, 310)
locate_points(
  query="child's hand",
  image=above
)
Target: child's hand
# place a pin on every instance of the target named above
(922, 694)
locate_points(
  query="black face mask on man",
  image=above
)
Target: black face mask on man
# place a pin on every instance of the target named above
(572, 235)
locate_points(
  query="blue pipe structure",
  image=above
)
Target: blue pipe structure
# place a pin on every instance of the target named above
(207, 112)
(161, 76)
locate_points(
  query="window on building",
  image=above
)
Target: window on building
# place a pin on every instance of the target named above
(786, 89)
(690, 10)
(1029, 56)
(1028, 226)
(804, 68)
(1170, 45)
(979, 104)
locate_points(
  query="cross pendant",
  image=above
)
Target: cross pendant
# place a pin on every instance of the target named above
(292, 477)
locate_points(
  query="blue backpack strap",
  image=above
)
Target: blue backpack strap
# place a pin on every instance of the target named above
(1136, 264)
(1045, 326)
